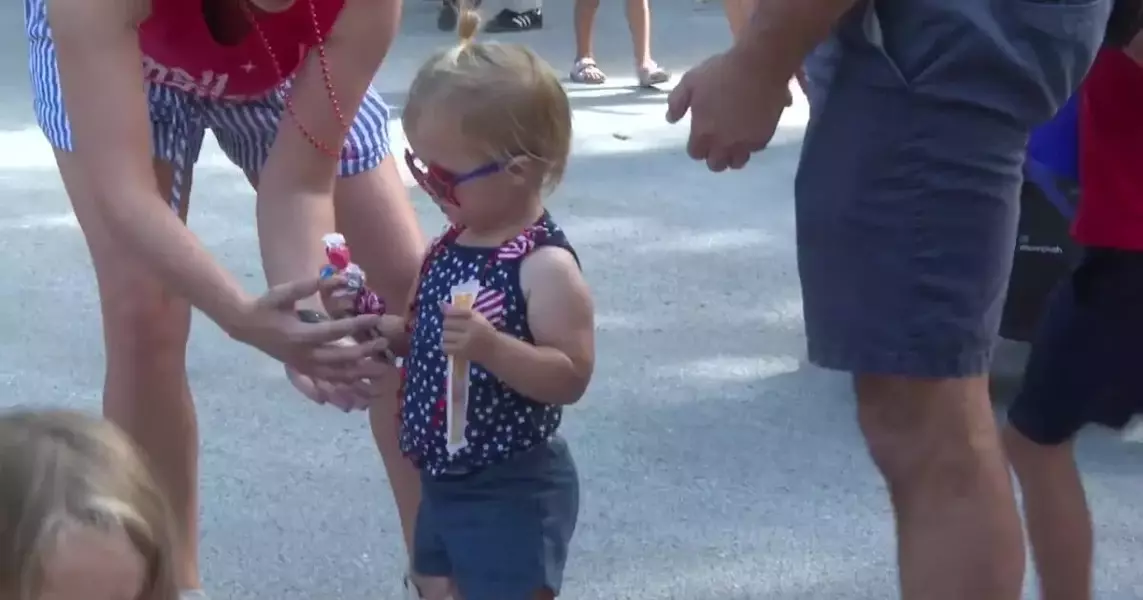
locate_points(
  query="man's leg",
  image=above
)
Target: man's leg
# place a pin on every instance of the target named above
(935, 442)
(906, 220)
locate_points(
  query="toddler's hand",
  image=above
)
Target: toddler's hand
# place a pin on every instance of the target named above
(466, 333)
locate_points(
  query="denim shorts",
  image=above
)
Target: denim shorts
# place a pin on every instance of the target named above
(502, 532)
(245, 130)
(907, 193)
(1085, 366)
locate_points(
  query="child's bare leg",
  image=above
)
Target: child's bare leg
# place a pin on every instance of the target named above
(647, 70)
(584, 28)
(639, 22)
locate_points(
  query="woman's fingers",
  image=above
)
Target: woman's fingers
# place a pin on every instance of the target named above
(305, 385)
(331, 331)
(344, 352)
(332, 395)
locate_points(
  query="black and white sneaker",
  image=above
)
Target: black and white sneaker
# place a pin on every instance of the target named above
(510, 20)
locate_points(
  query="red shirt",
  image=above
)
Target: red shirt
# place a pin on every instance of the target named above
(1110, 213)
(180, 51)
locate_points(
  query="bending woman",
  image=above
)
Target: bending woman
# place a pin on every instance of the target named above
(125, 151)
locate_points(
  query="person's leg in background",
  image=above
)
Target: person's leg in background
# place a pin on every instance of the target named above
(374, 213)
(585, 69)
(1040, 440)
(1056, 513)
(932, 201)
(145, 326)
(1082, 370)
(647, 70)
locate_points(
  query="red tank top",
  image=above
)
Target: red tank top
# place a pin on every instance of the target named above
(1110, 212)
(179, 49)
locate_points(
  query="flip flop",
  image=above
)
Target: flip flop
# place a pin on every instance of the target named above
(586, 71)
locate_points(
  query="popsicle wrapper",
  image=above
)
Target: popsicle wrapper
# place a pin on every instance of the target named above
(457, 382)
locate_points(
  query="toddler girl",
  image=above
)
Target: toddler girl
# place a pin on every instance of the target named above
(80, 516)
(499, 335)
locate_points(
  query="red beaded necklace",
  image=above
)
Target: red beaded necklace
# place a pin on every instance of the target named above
(324, 62)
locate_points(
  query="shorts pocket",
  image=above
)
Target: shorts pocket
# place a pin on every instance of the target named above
(1057, 41)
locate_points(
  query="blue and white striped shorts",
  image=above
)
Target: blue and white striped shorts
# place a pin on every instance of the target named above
(245, 130)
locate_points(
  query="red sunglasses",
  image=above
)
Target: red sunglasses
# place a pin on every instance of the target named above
(441, 183)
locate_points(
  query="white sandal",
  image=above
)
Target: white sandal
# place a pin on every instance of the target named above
(652, 75)
(585, 70)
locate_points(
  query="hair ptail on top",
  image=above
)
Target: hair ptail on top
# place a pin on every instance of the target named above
(468, 21)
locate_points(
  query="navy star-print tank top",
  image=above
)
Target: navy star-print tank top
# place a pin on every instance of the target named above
(500, 421)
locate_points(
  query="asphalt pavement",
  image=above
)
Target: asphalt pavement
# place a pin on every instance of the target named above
(716, 463)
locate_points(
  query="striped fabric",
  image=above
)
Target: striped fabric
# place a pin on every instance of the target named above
(179, 120)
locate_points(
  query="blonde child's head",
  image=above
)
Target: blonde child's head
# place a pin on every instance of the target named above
(489, 129)
(80, 516)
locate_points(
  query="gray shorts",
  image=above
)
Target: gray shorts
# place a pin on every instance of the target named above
(501, 533)
(908, 187)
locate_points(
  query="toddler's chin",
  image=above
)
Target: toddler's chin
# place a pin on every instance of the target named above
(450, 213)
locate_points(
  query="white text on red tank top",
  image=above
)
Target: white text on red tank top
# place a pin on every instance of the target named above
(209, 84)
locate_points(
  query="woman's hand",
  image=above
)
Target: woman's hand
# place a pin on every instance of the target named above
(271, 324)
(347, 397)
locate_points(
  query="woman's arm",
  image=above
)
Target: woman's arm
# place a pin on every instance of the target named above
(99, 61)
(295, 188)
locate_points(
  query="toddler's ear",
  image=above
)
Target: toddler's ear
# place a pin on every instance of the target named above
(523, 169)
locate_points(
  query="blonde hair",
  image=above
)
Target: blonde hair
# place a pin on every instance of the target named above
(60, 470)
(509, 100)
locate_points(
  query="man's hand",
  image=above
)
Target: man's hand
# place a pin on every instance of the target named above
(466, 333)
(734, 108)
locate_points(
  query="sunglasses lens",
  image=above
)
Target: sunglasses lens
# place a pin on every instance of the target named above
(434, 180)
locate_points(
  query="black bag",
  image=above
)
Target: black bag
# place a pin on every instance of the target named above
(1045, 252)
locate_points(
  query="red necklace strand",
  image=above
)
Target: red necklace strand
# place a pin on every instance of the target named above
(324, 62)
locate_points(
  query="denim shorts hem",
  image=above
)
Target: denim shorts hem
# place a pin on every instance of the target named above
(921, 364)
